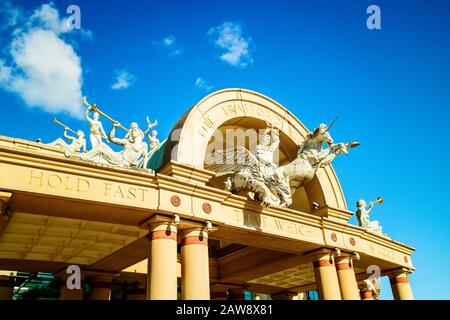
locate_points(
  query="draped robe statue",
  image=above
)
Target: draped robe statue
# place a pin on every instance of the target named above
(133, 154)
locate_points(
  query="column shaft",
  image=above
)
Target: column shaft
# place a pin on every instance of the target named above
(236, 294)
(195, 265)
(70, 294)
(138, 293)
(327, 282)
(100, 288)
(347, 278)
(219, 292)
(6, 288)
(162, 265)
(401, 288)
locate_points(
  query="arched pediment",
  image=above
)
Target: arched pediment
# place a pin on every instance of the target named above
(240, 108)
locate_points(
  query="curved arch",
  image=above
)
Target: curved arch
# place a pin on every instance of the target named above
(189, 138)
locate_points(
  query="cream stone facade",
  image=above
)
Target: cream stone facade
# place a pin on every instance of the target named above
(120, 224)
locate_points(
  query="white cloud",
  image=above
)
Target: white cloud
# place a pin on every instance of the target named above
(176, 52)
(124, 79)
(229, 36)
(45, 71)
(169, 43)
(200, 83)
(47, 17)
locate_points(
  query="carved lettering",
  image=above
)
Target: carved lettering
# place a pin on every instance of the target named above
(33, 176)
(131, 193)
(118, 192)
(68, 188)
(82, 185)
(143, 193)
(54, 181)
(64, 183)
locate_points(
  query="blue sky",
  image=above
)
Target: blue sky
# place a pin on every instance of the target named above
(389, 87)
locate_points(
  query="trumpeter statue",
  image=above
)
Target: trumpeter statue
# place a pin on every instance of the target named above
(362, 215)
(77, 144)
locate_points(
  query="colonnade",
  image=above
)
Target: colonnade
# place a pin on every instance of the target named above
(334, 274)
(336, 279)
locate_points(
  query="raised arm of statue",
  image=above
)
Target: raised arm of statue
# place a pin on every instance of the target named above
(67, 136)
(369, 207)
(150, 126)
(120, 142)
(86, 115)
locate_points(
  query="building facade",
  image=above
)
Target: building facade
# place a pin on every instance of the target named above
(172, 231)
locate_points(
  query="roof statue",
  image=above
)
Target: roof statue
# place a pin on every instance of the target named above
(152, 139)
(97, 133)
(77, 143)
(362, 214)
(135, 149)
(260, 176)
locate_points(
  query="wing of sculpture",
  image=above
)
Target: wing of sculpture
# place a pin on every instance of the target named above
(230, 160)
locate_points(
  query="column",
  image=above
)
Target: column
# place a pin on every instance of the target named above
(70, 294)
(285, 296)
(366, 294)
(162, 265)
(236, 294)
(327, 282)
(219, 292)
(136, 293)
(100, 286)
(346, 277)
(6, 287)
(195, 265)
(401, 289)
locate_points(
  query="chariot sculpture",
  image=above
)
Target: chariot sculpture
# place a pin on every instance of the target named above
(259, 175)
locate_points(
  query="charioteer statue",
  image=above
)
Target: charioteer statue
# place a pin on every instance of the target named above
(262, 179)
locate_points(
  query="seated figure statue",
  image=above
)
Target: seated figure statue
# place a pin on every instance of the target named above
(134, 153)
(362, 214)
(78, 143)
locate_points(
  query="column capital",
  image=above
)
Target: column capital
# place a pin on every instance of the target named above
(324, 253)
(162, 230)
(197, 235)
(344, 262)
(399, 271)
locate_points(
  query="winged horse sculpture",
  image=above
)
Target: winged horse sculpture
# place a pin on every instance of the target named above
(262, 179)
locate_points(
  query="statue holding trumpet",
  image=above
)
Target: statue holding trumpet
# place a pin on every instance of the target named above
(77, 143)
(135, 149)
(362, 214)
(97, 133)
